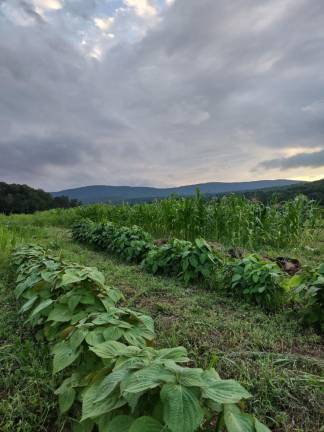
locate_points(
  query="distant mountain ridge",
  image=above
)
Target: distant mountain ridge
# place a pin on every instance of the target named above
(102, 193)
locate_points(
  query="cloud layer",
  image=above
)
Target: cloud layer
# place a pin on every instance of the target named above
(160, 92)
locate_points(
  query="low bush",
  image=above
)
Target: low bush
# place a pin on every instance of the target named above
(309, 290)
(104, 353)
(131, 244)
(191, 261)
(259, 280)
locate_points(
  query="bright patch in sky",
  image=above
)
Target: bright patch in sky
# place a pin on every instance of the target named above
(104, 23)
(41, 5)
(142, 7)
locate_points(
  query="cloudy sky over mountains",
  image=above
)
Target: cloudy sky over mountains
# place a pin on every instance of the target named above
(160, 92)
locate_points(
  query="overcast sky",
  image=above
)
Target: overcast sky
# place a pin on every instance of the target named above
(160, 92)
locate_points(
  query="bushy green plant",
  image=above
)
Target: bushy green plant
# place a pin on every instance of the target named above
(309, 288)
(111, 372)
(259, 280)
(188, 260)
(130, 243)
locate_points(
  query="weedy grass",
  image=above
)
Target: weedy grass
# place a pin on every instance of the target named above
(277, 360)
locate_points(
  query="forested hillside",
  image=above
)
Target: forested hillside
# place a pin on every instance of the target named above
(313, 190)
(15, 198)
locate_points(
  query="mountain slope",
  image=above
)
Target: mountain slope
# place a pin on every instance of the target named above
(100, 193)
(313, 190)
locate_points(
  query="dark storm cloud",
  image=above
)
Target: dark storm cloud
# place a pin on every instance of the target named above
(204, 91)
(35, 154)
(314, 159)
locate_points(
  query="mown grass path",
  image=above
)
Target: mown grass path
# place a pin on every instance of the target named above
(278, 361)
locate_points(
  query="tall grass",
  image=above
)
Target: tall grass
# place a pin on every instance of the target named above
(232, 220)
(12, 234)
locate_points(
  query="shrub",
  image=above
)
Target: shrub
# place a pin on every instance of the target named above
(258, 280)
(309, 288)
(190, 261)
(131, 244)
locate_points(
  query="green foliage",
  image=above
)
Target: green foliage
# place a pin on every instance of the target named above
(259, 280)
(15, 198)
(312, 190)
(191, 261)
(309, 288)
(131, 244)
(232, 219)
(105, 356)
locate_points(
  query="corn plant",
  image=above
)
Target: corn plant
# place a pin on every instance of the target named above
(105, 354)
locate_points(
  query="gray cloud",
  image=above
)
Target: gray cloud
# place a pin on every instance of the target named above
(314, 159)
(204, 91)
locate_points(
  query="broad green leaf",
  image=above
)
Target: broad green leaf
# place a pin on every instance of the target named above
(188, 377)
(71, 276)
(95, 337)
(112, 333)
(182, 411)
(235, 421)
(225, 391)
(26, 306)
(92, 409)
(77, 338)
(260, 427)
(121, 423)
(64, 356)
(96, 275)
(112, 349)
(60, 313)
(146, 424)
(73, 302)
(43, 305)
(178, 354)
(29, 282)
(66, 399)
(147, 378)
(200, 242)
(85, 426)
(109, 383)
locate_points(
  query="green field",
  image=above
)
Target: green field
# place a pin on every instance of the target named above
(271, 353)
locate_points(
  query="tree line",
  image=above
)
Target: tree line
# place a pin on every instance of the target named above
(313, 190)
(16, 198)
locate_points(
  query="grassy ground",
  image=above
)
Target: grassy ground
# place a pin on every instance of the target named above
(278, 361)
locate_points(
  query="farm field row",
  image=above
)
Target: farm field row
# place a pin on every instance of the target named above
(233, 221)
(276, 360)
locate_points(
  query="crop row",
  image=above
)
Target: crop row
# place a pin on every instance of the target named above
(105, 355)
(253, 278)
(231, 220)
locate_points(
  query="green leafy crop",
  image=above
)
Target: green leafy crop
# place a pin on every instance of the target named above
(258, 280)
(189, 260)
(309, 288)
(112, 374)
